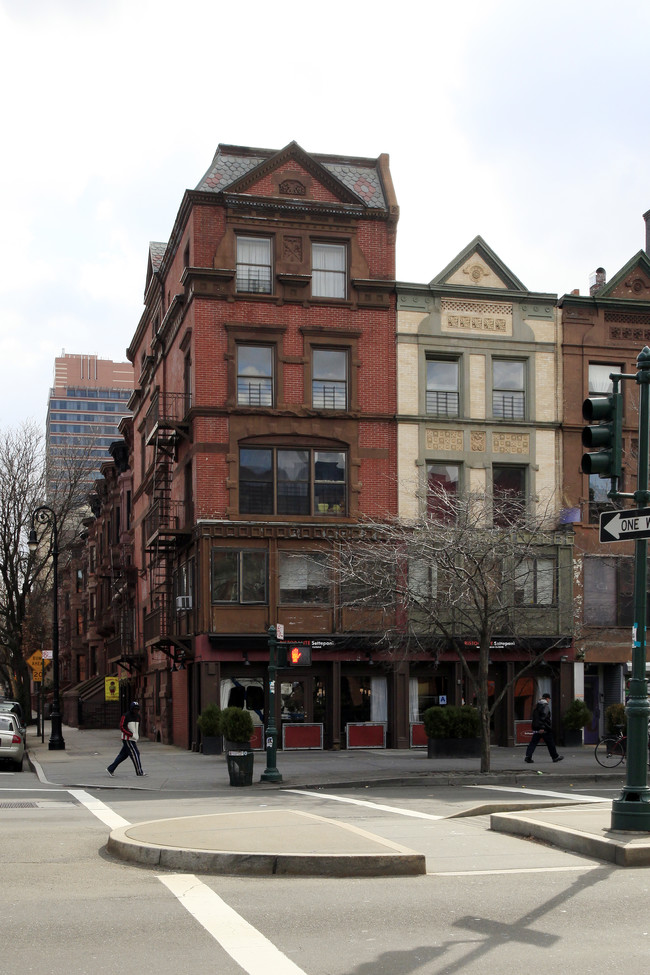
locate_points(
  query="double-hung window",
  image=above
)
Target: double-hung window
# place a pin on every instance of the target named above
(535, 582)
(238, 576)
(508, 495)
(275, 480)
(443, 482)
(329, 385)
(254, 265)
(508, 389)
(442, 387)
(328, 270)
(254, 375)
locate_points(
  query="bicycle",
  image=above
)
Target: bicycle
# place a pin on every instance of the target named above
(611, 750)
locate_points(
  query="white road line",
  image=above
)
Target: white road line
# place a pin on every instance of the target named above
(244, 943)
(576, 796)
(99, 809)
(493, 873)
(364, 802)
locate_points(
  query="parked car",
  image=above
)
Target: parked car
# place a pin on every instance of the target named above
(12, 741)
(14, 708)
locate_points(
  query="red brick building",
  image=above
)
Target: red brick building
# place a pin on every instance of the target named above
(264, 425)
(603, 333)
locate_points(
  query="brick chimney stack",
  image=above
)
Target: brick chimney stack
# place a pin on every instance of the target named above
(596, 280)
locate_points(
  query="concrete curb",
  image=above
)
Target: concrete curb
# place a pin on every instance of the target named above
(618, 847)
(360, 854)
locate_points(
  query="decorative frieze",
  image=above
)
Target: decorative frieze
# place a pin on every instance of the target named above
(458, 315)
(510, 443)
(444, 440)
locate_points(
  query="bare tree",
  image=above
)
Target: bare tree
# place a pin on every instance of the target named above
(474, 570)
(26, 579)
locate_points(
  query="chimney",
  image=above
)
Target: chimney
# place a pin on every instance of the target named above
(646, 217)
(596, 280)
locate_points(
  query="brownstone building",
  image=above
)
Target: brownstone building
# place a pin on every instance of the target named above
(603, 332)
(264, 425)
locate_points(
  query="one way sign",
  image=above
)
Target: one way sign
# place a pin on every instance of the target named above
(622, 526)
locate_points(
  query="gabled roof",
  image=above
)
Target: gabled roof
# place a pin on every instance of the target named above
(473, 264)
(628, 284)
(353, 181)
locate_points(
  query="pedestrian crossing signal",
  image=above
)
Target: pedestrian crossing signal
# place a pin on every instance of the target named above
(299, 655)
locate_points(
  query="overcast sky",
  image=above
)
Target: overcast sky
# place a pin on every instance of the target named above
(523, 122)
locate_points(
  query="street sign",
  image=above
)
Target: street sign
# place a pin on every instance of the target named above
(48, 654)
(623, 526)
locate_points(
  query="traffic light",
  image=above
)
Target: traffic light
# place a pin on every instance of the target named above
(605, 415)
(298, 655)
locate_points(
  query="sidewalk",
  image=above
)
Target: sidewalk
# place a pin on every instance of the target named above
(301, 844)
(170, 769)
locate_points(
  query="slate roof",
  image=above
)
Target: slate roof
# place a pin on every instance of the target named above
(230, 163)
(156, 253)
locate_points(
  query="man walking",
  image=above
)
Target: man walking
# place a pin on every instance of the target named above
(541, 724)
(129, 726)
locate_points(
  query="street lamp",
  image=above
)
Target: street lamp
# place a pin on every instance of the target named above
(45, 516)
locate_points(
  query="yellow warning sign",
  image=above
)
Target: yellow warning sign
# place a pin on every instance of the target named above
(111, 689)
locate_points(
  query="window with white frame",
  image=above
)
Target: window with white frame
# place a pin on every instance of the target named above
(599, 382)
(254, 265)
(254, 375)
(329, 385)
(328, 270)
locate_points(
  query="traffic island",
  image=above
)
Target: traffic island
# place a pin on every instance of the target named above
(264, 843)
(579, 829)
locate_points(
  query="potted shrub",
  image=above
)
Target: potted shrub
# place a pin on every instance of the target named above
(615, 718)
(576, 717)
(237, 728)
(452, 732)
(209, 723)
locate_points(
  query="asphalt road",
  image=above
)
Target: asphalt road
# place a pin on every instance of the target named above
(489, 902)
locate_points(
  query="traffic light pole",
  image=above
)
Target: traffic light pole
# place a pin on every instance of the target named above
(270, 773)
(631, 811)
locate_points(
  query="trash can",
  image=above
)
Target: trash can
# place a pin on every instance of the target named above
(240, 767)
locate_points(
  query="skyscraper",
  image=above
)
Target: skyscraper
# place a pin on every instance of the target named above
(86, 404)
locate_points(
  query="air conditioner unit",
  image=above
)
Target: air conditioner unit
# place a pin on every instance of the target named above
(183, 603)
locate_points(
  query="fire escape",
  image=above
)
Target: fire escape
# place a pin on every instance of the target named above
(165, 523)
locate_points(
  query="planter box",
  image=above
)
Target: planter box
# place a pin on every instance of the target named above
(572, 738)
(212, 744)
(367, 734)
(454, 748)
(418, 736)
(302, 736)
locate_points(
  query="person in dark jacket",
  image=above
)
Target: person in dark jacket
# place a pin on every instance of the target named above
(541, 724)
(130, 728)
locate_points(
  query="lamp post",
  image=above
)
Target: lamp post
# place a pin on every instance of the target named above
(44, 515)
